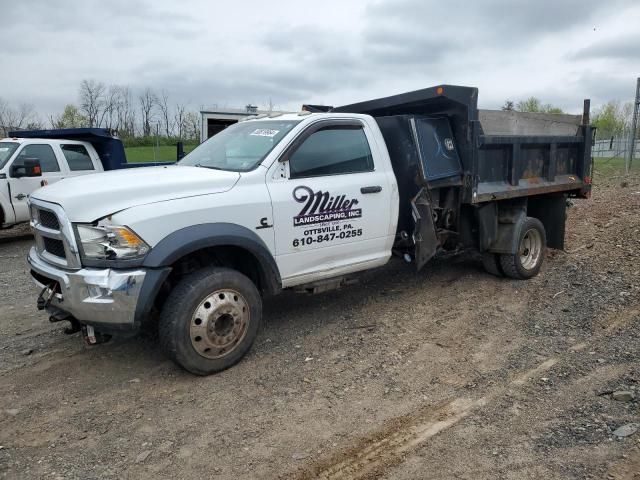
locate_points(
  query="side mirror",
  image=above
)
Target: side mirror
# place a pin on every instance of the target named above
(29, 168)
(180, 151)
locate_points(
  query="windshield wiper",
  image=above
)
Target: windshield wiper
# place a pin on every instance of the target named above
(206, 166)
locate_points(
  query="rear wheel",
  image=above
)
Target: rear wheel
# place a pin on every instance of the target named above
(491, 263)
(526, 262)
(210, 320)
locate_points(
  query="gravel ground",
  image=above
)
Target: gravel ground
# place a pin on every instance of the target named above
(448, 373)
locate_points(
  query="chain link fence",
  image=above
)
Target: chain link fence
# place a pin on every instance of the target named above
(617, 148)
(614, 147)
(612, 152)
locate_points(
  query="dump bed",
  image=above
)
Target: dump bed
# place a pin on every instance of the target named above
(438, 135)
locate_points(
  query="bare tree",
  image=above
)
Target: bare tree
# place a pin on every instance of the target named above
(125, 113)
(179, 119)
(112, 99)
(192, 124)
(92, 101)
(508, 106)
(163, 105)
(147, 100)
(5, 117)
(18, 118)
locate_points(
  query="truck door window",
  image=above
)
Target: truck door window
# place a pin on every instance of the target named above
(6, 150)
(332, 150)
(77, 157)
(42, 153)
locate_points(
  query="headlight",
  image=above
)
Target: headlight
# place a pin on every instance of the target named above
(105, 241)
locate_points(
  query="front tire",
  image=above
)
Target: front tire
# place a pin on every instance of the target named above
(532, 244)
(210, 320)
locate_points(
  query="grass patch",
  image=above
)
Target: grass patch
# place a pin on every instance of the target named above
(613, 166)
(166, 153)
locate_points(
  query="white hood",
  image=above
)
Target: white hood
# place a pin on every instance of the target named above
(89, 197)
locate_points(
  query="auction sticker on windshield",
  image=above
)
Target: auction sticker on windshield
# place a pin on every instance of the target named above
(265, 132)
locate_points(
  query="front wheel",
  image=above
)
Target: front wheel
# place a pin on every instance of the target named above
(210, 320)
(532, 243)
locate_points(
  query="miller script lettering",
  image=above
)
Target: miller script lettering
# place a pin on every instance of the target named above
(321, 207)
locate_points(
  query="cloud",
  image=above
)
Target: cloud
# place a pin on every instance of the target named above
(602, 87)
(336, 52)
(506, 23)
(625, 48)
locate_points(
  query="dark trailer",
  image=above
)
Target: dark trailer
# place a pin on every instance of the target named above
(480, 178)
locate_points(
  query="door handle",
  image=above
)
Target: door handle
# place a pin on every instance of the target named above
(20, 196)
(372, 189)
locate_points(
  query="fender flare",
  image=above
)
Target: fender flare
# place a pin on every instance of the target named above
(206, 235)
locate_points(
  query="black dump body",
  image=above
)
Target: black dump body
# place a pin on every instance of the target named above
(469, 177)
(494, 155)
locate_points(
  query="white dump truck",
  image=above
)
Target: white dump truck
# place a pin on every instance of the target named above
(307, 201)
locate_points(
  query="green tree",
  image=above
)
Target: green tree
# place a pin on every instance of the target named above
(548, 108)
(611, 119)
(533, 104)
(69, 118)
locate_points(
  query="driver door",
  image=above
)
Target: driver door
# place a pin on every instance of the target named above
(330, 204)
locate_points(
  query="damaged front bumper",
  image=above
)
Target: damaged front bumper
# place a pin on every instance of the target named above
(100, 297)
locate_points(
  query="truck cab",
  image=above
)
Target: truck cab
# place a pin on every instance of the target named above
(297, 200)
(58, 159)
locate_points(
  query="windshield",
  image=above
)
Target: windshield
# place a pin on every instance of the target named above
(6, 150)
(240, 147)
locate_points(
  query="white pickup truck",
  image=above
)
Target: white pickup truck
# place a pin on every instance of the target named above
(57, 159)
(306, 201)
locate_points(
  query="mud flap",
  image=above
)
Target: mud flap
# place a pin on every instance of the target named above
(424, 234)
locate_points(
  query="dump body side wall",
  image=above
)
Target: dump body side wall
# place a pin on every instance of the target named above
(520, 154)
(503, 154)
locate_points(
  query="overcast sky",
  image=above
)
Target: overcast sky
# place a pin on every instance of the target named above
(334, 52)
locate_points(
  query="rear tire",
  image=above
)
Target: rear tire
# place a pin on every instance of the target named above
(491, 263)
(210, 320)
(528, 259)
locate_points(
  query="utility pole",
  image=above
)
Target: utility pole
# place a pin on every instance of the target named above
(634, 128)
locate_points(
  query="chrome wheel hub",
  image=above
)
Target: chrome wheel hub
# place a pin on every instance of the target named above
(530, 249)
(219, 323)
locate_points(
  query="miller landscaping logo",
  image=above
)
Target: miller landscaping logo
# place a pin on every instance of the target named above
(321, 207)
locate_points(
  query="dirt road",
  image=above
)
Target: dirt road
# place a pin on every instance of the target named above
(449, 373)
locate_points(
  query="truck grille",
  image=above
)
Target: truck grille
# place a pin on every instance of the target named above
(54, 247)
(48, 219)
(53, 233)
